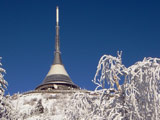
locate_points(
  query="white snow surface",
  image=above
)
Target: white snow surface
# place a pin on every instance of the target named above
(53, 105)
(72, 105)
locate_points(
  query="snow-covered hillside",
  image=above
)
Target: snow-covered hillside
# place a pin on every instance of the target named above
(138, 98)
(39, 106)
(61, 105)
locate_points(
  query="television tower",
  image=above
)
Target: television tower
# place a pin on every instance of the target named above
(57, 77)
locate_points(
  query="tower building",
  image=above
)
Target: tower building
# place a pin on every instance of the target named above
(57, 77)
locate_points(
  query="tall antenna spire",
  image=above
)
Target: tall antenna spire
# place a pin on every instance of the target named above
(57, 45)
(57, 15)
(57, 77)
(57, 56)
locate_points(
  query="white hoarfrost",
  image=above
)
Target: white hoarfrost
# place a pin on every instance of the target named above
(3, 86)
(137, 98)
(110, 69)
(3, 83)
(140, 91)
(39, 106)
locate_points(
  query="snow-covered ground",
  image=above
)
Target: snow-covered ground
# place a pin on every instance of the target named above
(71, 105)
(55, 105)
(39, 106)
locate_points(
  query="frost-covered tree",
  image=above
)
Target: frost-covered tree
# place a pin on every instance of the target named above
(140, 92)
(3, 86)
(137, 98)
(84, 106)
(39, 107)
(109, 70)
(3, 83)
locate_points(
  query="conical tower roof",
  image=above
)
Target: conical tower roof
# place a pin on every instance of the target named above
(57, 77)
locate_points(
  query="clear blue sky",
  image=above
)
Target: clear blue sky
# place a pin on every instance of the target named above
(88, 29)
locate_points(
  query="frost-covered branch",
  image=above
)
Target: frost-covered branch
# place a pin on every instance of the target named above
(3, 83)
(83, 106)
(4, 104)
(110, 69)
(142, 89)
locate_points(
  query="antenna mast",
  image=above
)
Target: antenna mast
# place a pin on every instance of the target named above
(57, 45)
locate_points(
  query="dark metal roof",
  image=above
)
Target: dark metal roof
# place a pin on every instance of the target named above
(57, 79)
